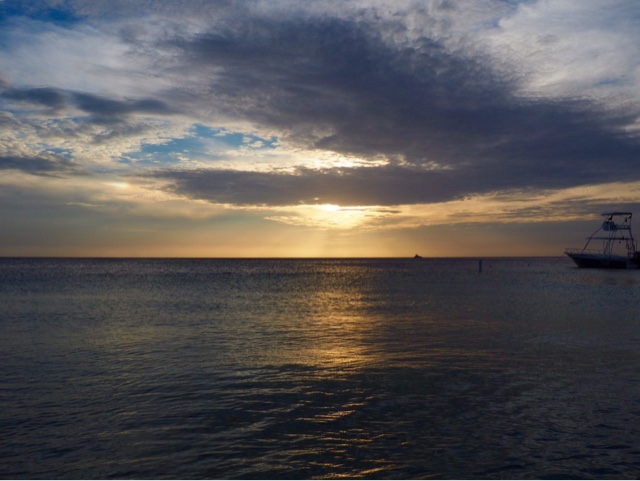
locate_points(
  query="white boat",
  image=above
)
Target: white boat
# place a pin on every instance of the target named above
(617, 249)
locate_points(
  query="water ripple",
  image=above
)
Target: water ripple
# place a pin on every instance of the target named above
(372, 369)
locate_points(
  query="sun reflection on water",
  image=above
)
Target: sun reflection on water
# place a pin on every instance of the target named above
(315, 368)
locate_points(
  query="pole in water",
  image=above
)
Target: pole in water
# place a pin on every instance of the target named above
(480, 265)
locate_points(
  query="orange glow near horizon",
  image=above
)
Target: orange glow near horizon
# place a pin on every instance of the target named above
(123, 218)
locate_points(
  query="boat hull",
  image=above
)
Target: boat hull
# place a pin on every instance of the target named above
(600, 261)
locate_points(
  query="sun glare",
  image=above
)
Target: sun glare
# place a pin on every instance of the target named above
(117, 185)
(329, 216)
(330, 207)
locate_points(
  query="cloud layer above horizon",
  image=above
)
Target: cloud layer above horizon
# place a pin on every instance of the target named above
(274, 105)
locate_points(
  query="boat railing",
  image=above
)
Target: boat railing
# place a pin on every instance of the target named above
(572, 250)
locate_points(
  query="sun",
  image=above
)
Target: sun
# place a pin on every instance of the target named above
(330, 216)
(330, 207)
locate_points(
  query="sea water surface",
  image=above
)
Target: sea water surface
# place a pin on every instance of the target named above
(318, 368)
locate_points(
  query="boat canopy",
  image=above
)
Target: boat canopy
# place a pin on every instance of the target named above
(616, 213)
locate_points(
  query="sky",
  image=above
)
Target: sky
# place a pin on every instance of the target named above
(355, 128)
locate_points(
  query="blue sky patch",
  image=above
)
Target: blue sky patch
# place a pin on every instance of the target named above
(205, 144)
(57, 16)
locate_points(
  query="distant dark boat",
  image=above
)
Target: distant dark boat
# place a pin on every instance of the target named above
(417, 256)
(615, 232)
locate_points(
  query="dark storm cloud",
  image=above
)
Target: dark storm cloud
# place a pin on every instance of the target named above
(341, 85)
(399, 184)
(46, 164)
(306, 186)
(333, 84)
(47, 97)
(107, 109)
(338, 85)
(388, 185)
(101, 108)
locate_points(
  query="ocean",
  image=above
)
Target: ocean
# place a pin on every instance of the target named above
(318, 368)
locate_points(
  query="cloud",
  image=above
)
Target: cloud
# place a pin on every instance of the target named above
(337, 84)
(347, 85)
(99, 106)
(112, 110)
(454, 98)
(45, 96)
(86, 128)
(515, 207)
(46, 164)
(347, 186)
(373, 186)
(571, 48)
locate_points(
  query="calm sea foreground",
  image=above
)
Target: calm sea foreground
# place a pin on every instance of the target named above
(348, 368)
